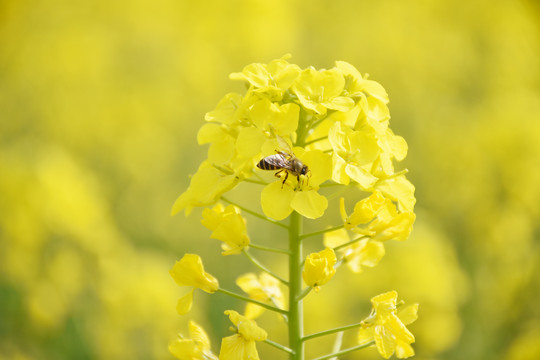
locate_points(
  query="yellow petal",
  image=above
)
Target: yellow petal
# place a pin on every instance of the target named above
(209, 133)
(184, 349)
(234, 348)
(408, 314)
(309, 204)
(221, 151)
(249, 141)
(384, 341)
(364, 178)
(403, 350)
(197, 334)
(399, 189)
(246, 327)
(183, 306)
(319, 165)
(336, 238)
(339, 174)
(276, 200)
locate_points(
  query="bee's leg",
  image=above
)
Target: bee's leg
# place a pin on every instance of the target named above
(286, 176)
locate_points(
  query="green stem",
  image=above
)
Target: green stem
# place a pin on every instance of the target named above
(255, 213)
(331, 331)
(304, 293)
(245, 298)
(269, 249)
(258, 264)
(337, 344)
(315, 140)
(349, 243)
(279, 346)
(296, 321)
(321, 232)
(345, 351)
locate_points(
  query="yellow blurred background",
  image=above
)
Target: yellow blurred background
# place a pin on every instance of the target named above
(100, 103)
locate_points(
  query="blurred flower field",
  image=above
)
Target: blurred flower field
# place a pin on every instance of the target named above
(100, 104)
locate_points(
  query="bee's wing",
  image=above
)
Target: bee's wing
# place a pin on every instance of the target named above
(277, 160)
(283, 144)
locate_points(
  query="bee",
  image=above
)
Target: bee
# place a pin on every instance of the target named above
(284, 161)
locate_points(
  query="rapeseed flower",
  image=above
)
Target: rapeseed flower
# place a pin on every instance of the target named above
(197, 347)
(189, 271)
(264, 288)
(378, 218)
(241, 346)
(364, 252)
(319, 268)
(387, 326)
(228, 226)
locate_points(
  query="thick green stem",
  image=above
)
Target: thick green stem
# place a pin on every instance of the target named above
(296, 318)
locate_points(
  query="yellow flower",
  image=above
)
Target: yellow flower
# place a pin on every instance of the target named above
(398, 189)
(195, 348)
(364, 210)
(356, 85)
(321, 90)
(205, 188)
(241, 346)
(189, 271)
(365, 252)
(228, 226)
(319, 268)
(270, 80)
(378, 218)
(279, 200)
(265, 288)
(387, 326)
(353, 155)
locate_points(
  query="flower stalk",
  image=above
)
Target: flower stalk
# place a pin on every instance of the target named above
(296, 314)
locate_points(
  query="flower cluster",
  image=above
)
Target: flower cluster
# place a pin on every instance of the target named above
(316, 131)
(338, 120)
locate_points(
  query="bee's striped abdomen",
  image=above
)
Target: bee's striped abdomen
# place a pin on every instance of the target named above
(265, 165)
(274, 162)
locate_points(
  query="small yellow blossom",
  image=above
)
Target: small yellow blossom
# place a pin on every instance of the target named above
(241, 346)
(197, 347)
(270, 80)
(189, 271)
(319, 268)
(398, 189)
(387, 326)
(353, 155)
(378, 218)
(321, 90)
(264, 288)
(365, 252)
(228, 226)
(205, 188)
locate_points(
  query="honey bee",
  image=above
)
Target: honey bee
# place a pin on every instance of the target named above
(284, 161)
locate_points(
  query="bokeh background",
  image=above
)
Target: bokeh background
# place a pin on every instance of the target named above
(100, 103)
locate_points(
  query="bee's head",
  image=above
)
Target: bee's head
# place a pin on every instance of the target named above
(304, 170)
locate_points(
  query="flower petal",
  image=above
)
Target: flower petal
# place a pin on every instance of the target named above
(183, 306)
(276, 200)
(309, 203)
